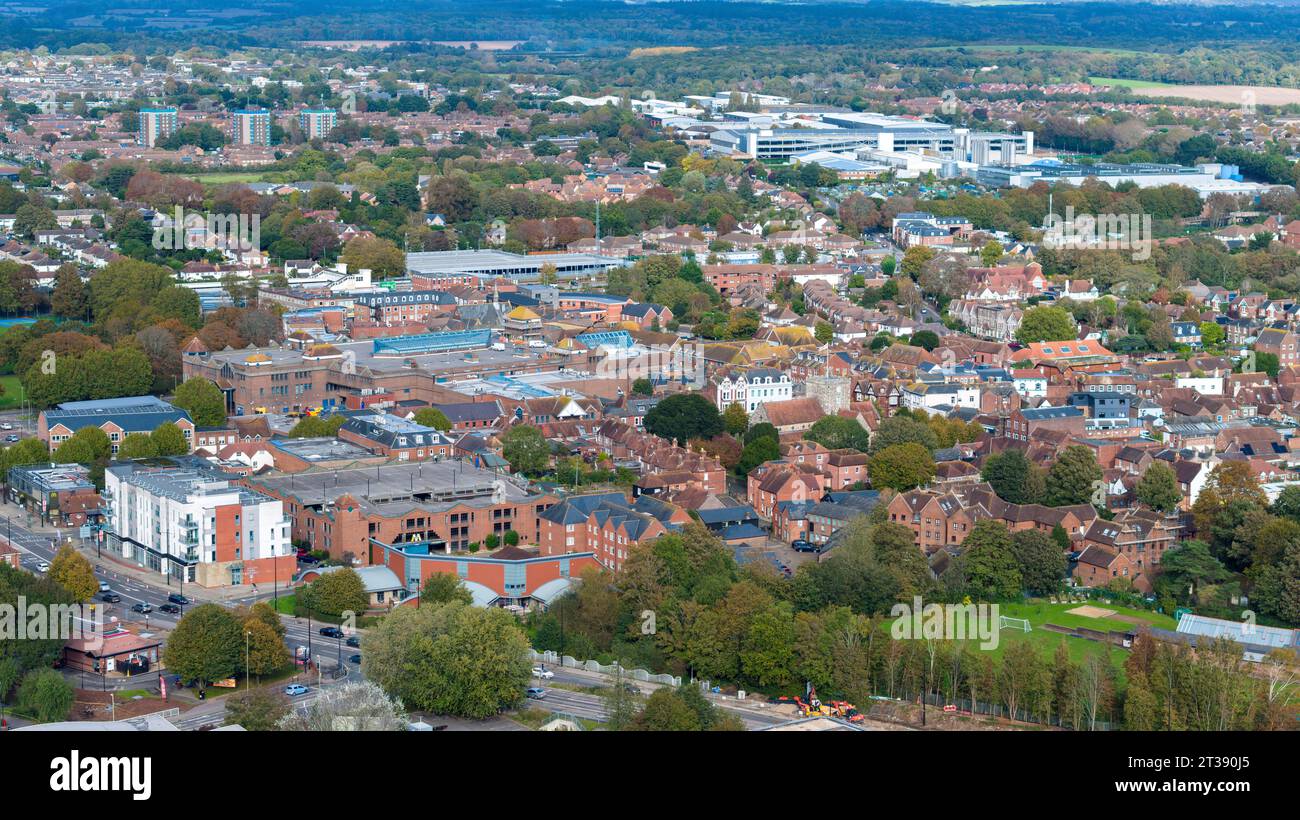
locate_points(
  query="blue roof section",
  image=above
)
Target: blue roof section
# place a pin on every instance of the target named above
(432, 342)
(613, 338)
(726, 515)
(134, 414)
(596, 297)
(116, 404)
(738, 532)
(1041, 413)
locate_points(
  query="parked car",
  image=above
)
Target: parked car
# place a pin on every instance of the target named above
(353, 641)
(170, 609)
(536, 692)
(331, 632)
(354, 659)
(12, 437)
(177, 598)
(542, 672)
(142, 608)
(295, 689)
(308, 559)
(6, 426)
(110, 596)
(801, 545)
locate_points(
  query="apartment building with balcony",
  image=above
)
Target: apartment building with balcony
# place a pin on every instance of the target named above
(191, 526)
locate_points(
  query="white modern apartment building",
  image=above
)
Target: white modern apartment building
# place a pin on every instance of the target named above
(750, 388)
(195, 527)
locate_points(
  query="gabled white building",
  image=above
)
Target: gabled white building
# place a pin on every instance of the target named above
(750, 388)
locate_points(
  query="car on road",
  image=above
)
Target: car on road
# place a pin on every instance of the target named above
(536, 692)
(331, 632)
(110, 596)
(354, 659)
(170, 609)
(293, 690)
(6, 426)
(542, 672)
(12, 437)
(177, 598)
(142, 608)
(103, 586)
(353, 641)
(42, 566)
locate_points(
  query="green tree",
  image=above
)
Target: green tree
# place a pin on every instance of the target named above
(207, 645)
(336, 592)
(442, 588)
(1047, 324)
(137, 445)
(902, 429)
(1189, 566)
(824, 332)
(666, 711)
(990, 253)
(1040, 559)
(901, 467)
(989, 564)
(684, 416)
(73, 572)
(451, 659)
(643, 387)
(915, 259)
(837, 432)
(266, 652)
(1073, 477)
(926, 339)
(757, 452)
(86, 446)
(45, 695)
(433, 417)
(1013, 477)
(1212, 335)
(762, 430)
(257, 710)
(68, 300)
(526, 449)
(735, 419)
(169, 440)
(203, 400)
(1158, 488)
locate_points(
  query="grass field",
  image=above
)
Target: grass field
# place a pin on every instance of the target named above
(13, 392)
(1136, 84)
(1041, 613)
(225, 178)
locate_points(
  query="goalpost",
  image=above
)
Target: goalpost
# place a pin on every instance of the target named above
(1005, 622)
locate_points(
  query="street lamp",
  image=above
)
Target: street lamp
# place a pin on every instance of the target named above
(247, 633)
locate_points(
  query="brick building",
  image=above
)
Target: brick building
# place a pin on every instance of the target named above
(606, 525)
